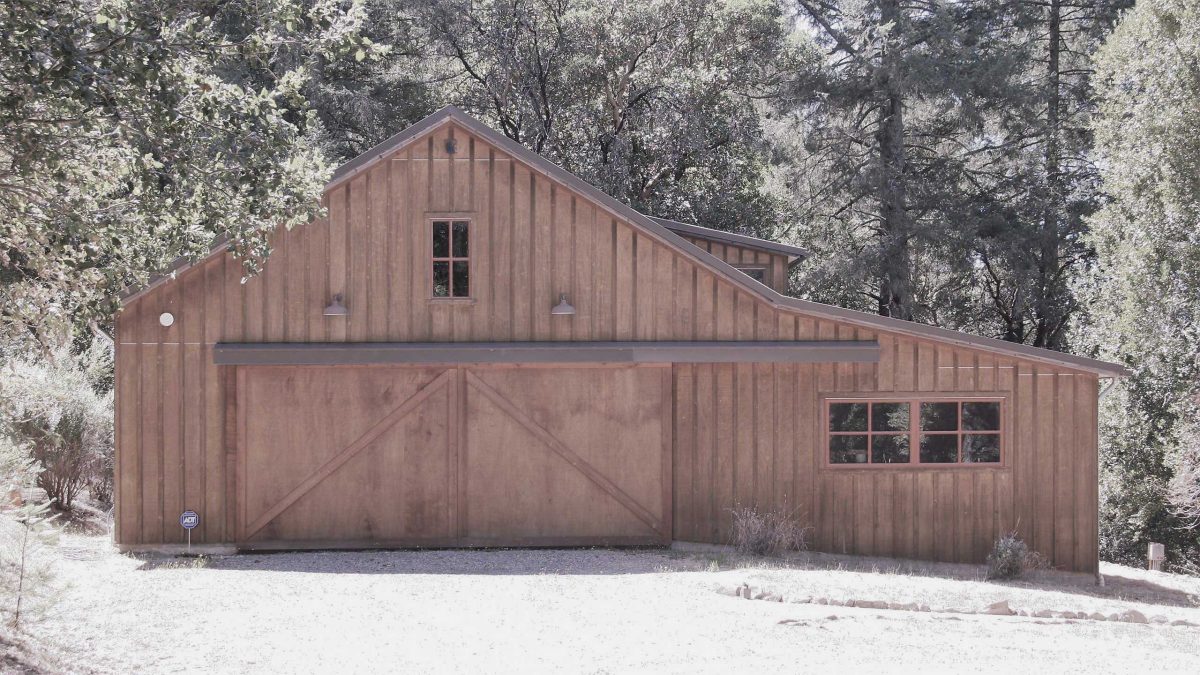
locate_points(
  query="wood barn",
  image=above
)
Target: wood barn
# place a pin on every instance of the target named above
(476, 348)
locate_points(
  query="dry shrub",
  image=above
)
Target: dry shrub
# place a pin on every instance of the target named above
(767, 533)
(1011, 558)
(50, 411)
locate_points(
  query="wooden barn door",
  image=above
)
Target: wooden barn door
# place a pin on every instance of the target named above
(348, 456)
(567, 456)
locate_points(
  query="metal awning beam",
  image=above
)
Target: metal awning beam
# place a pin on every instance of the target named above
(367, 353)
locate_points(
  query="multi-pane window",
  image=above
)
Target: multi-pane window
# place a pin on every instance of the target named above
(451, 259)
(940, 431)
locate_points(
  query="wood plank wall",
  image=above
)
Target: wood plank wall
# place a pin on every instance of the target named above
(531, 240)
(775, 266)
(750, 435)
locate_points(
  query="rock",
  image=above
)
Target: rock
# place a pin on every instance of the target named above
(1044, 614)
(867, 604)
(1000, 608)
(904, 606)
(1180, 622)
(1021, 612)
(923, 608)
(1096, 616)
(1158, 618)
(1114, 617)
(822, 601)
(1133, 616)
(732, 592)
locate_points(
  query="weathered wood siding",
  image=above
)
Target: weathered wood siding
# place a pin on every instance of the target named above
(751, 435)
(775, 266)
(533, 238)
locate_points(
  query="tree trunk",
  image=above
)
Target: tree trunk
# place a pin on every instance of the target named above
(1048, 309)
(895, 279)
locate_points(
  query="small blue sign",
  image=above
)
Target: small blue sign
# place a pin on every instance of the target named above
(189, 519)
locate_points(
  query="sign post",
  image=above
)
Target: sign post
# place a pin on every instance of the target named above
(189, 520)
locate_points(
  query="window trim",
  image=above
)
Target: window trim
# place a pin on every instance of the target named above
(450, 217)
(915, 399)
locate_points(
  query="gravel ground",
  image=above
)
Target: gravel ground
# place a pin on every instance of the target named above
(593, 611)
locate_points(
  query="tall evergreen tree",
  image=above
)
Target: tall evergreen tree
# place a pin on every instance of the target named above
(883, 153)
(1040, 182)
(1145, 291)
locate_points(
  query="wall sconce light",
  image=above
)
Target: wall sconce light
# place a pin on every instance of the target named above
(336, 308)
(451, 146)
(166, 319)
(563, 308)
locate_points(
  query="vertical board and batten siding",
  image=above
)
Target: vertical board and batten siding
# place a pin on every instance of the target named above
(752, 436)
(775, 265)
(532, 239)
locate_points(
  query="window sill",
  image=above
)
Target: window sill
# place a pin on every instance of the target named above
(452, 301)
(996, 466)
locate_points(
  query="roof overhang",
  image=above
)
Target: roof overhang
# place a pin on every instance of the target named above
(472, 353)
(794, 254)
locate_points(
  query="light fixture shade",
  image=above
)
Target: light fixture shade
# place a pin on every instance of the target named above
(336, 308)
(563, 308)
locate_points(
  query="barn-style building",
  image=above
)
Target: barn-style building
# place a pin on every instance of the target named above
(476, 348)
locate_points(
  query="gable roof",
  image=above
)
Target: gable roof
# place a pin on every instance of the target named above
(658, 229)
(794, 253)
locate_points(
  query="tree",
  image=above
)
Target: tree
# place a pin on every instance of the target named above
(1146, 289)
(883, 150)
(652, 102)
(941, 161)
(1041, 183)
(361, 102)
(135, 131)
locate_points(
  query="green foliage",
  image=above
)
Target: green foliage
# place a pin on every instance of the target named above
(51, 412)
(27, 574)
(1146, 288)
(653, 102)
(135, 131)
(938, 161)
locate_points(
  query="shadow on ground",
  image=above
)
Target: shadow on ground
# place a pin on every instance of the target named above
(610, 561)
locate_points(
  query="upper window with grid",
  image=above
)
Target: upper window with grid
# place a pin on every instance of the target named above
(451, 259)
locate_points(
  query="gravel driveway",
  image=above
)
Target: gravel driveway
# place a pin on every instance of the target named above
(549, 610)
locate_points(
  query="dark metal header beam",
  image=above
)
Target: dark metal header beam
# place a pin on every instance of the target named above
(365, 353)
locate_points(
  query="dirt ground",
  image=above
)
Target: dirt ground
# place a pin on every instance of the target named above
(592, 611)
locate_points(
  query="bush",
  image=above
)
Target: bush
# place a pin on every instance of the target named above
(767, 533)
(1011, 558)
(51, 411)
